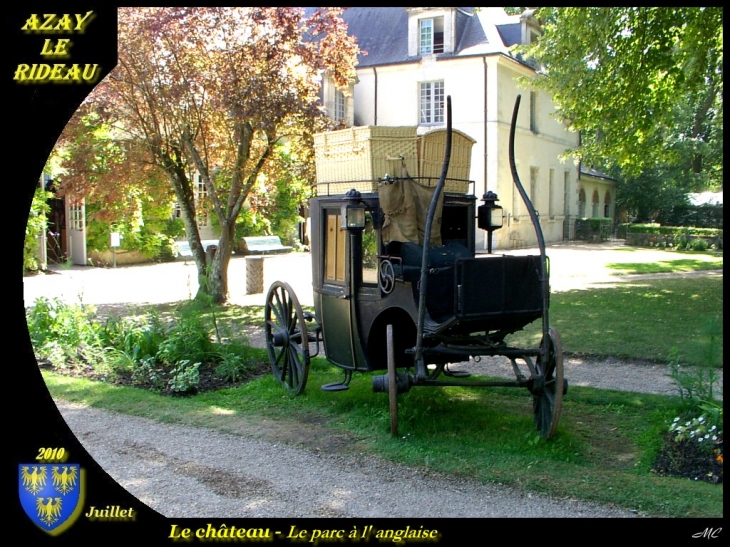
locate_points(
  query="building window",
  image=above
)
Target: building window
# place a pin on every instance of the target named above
(76, 216)
(431, 35)
(334, 259)
(551, 191)
(431, 102)
(607, 205)
(201, 193)
(582, 203)
(595, 202)
(566, 193)
(533, 112)
(340, 110)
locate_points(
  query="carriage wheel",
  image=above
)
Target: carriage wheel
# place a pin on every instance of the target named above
(392, 384)
(548, 398)
(286, 337)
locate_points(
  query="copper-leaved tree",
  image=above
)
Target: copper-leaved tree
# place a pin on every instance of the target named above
(213, 91)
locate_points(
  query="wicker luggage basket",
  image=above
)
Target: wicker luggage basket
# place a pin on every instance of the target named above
(431, 158)
(358, 156)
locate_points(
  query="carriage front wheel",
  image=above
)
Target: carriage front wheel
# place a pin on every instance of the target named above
(548, 392)
(286, 337)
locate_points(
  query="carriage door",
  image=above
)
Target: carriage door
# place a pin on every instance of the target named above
(336, 297)
(76, 227)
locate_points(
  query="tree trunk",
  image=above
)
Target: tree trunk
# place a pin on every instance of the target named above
(217, 279)
(186, 200)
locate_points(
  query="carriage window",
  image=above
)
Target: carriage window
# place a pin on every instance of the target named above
(334, 266)
(369, 251)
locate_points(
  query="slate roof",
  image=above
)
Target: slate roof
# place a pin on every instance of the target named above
(594, 173)
(511, 34)
(383, 33)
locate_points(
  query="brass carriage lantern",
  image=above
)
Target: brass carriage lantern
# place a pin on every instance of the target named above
(490, 217)
(352, 212)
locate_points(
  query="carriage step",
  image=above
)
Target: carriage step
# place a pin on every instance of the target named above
(336, 386)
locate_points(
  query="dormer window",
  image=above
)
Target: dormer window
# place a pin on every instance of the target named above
(530, 27)
(431, 32)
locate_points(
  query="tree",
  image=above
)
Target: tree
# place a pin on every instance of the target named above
(275, 208)
(643, 85)
(213, 91)
(122, 193)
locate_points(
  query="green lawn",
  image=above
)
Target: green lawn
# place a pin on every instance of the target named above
(665, 266)
(643, 319)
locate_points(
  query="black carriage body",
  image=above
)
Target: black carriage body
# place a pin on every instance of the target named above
(466, 293)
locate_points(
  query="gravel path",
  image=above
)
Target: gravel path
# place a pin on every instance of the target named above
(192, 472)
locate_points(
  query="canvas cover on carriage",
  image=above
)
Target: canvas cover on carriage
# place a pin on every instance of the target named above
(405, 204)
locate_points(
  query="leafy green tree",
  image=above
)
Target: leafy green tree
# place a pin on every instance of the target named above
(643, 85)
(651, 196)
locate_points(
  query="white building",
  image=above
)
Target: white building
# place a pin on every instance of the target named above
(417, 56)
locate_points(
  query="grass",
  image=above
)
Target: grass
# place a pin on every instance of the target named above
(665, 266)
(640, 319)
(602, 451)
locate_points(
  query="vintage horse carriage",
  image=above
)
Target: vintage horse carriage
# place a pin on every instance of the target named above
(398, 286)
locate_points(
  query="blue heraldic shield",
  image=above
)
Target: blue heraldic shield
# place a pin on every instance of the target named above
(51, 494)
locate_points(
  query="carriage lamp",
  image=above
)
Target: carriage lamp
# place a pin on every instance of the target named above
(489, 217)
(352, 213)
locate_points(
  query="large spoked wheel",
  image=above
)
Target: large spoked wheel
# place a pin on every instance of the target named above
(548, 388)
(286, 338)
(392, 383)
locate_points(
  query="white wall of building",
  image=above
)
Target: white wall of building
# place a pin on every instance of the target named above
(466, 80)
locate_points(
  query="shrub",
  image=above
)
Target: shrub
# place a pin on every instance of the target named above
(187, 339)
(34, 228)
(65, 334)
(148, 371)
(184, 378)
(698, 245)
(136, 338)
(234, 363)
